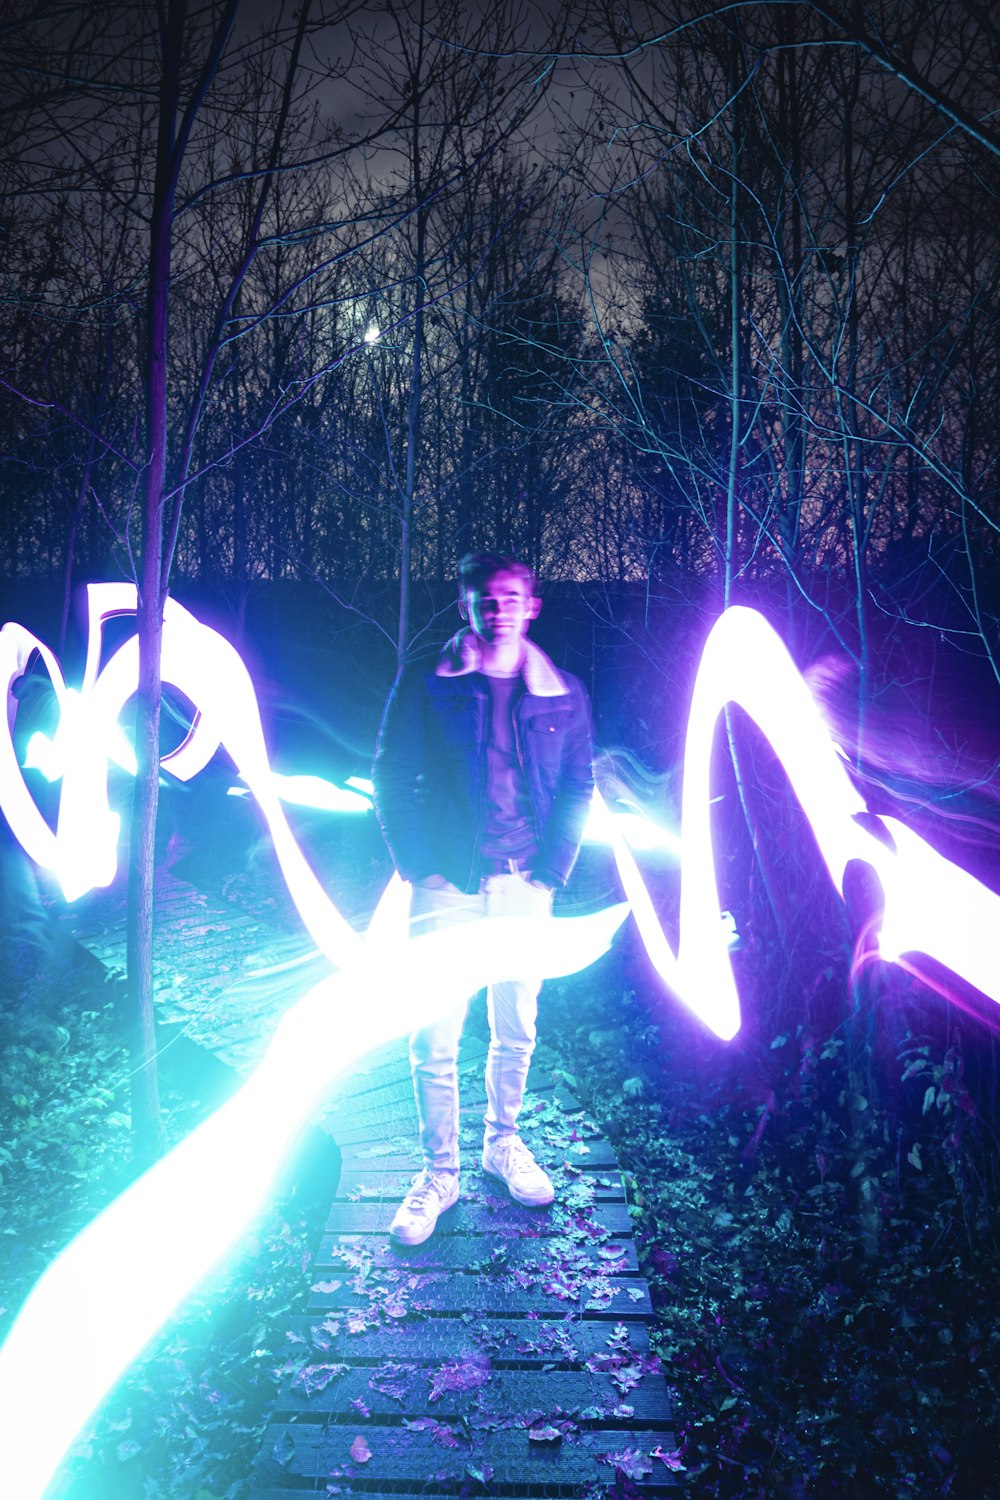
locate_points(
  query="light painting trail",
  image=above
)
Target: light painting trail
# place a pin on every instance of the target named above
(932, 906)
(115, 1285)
(178, 1219)
(83, 851)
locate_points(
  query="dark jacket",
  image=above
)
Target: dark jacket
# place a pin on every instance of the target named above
(430, 765)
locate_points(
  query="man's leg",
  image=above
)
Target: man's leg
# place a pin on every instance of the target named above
(512, 1007)
(434, 1068)
(434, 1049)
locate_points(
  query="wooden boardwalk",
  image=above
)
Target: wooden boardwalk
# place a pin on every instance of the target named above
(509, 1355)
(211, 964)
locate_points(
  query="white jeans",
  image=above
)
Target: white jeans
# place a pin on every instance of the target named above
(511, 1006)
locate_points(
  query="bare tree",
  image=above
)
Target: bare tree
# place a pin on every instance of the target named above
(151, 97)
(461, 92)
(751, 355)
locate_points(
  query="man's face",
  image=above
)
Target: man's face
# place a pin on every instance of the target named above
(501, 609)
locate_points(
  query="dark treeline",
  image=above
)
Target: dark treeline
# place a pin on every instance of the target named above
(701, 296)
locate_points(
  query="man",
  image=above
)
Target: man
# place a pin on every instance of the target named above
(483, 782)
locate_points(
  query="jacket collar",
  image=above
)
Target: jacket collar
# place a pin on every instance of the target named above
(462, 655)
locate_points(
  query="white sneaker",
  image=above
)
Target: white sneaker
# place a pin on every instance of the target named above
(508, 1158)
(427, 1199)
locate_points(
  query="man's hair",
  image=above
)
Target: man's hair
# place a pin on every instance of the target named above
(476, 568)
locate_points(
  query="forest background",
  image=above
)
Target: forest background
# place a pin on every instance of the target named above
(685, 305)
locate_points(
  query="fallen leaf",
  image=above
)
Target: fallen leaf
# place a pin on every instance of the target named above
(459, 1375)
(632, 1462)
(283, 1450)
(440, 1431)
(360, 1451)
(314, 1378)
(672, 1459)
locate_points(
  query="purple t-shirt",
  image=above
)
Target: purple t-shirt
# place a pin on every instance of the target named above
(508, 831)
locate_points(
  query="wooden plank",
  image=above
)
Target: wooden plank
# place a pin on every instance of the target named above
(483, 1211)
(391, 1103)
(392, 1182)
(442, 1456)
(401, 1149)
(377, 1139)
(432, 1491)
(565, 1340)
(390, 1066)
(445, 1292)
(394, 1097)
(589, 1398)
(459, 1252)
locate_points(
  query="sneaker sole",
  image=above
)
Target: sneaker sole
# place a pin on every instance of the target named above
(518, 1197)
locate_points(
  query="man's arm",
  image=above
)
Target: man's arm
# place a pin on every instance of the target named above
(571, 806)
(397, 775)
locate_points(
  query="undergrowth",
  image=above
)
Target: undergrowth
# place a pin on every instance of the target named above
(816, 1216)
(187, 1419)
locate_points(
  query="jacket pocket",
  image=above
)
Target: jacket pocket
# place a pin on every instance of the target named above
(543, 746)
(548, 726)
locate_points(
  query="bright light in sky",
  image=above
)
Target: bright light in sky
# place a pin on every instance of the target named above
(372, 333)
(107, 1294)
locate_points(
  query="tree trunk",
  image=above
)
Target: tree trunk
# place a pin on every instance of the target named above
(147, 1125)
(789, 296)
(854, 468)
(413, 404)
(735, 361)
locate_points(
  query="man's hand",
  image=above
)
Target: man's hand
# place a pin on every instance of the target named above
(438, 883)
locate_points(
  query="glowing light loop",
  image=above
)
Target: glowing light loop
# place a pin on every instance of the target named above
(931, 905)
(177, 1220)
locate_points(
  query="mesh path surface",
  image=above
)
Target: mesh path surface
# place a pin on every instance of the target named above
(508, 1355)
